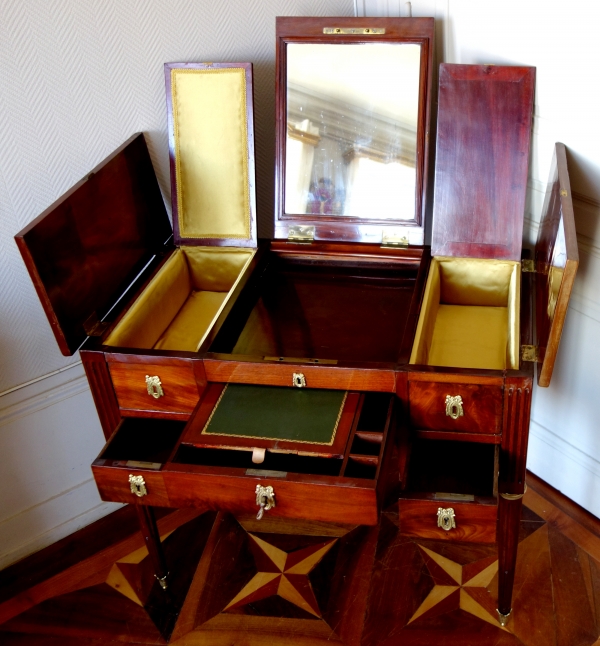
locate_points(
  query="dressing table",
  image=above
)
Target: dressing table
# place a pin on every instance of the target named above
(345, 301)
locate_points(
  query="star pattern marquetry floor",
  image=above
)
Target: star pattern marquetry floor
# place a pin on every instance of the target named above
(243, 582)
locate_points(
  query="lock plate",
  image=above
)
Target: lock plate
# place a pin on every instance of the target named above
(265, 499)
(154, 386)
(137, 485)
(446, 518)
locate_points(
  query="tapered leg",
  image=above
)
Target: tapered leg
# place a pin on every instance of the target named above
(152, 538)
(509, 517)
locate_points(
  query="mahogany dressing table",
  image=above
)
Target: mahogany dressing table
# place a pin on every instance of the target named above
(346, 298)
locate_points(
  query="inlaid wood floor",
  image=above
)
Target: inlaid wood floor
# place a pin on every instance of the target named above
(248, 582)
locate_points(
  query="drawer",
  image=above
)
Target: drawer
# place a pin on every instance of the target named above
(461, 407)
(119, 482)
(474, 522)
(161, 387)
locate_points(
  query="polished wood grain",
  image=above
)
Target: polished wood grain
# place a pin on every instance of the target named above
(397, 30)
(482, 407)
(482, 155)
(249, 118)
(475, 523)
(181, 392)
(557, 212)
(79, 267)
(103, 392)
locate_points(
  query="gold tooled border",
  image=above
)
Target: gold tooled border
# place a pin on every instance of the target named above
(180, 205)
(273, 439)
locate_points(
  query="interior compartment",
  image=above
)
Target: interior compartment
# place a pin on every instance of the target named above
(181, 303)
(144, 440)
(282, 462)
(470, 315)
(440, 466)
(322, 307)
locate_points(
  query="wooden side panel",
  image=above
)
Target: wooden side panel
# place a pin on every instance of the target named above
(295, 498)
(102, 389)
(177, 379)
(482, 155)
(282, 374)
(481, 406)
(475, 523)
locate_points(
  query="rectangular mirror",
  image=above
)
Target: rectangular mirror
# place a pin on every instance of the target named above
(352, 124)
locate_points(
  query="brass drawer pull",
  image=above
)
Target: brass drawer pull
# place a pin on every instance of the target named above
(446, 518)
(137, 484)
(265, 499)
(454, 406)
(299, 380)
(154, 386)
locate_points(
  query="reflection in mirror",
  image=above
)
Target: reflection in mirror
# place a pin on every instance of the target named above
(352, 117)
(557, 268)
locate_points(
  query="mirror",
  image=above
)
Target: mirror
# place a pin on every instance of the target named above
(352, 123)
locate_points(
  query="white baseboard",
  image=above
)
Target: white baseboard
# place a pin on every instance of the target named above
(564, 467)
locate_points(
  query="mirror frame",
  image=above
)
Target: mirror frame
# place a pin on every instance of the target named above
(397, 30)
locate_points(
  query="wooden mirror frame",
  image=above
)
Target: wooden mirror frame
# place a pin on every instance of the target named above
(397, 30)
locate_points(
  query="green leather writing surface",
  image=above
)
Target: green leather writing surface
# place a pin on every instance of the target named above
(264, 412)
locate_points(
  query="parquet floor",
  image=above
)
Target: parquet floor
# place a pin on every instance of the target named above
(245, 583)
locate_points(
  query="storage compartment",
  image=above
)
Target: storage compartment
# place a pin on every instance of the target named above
(323, 305)
(470, 315)
(181, 303)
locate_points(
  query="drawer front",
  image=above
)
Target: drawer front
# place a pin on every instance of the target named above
(175, 389)
(114, 485)
(475, 523)
(293, 498)
(465, 408)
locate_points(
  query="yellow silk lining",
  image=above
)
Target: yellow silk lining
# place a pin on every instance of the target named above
(211, 152)
(470, 315)
(181, 303)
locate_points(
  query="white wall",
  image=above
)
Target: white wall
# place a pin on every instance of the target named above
(561, 40)
(78, 77)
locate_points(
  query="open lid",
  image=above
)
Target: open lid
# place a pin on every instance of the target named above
(84, 250)
(352, 104)
(482, 155)
(211, 150)
(556, 262)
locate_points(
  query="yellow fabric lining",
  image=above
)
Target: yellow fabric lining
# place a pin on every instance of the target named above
(211, 152)
(470, 315)
(181, 303)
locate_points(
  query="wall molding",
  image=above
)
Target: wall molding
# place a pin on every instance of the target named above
(546, 450)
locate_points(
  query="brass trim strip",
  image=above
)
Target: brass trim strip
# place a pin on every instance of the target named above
(367, 31)
(514, 496)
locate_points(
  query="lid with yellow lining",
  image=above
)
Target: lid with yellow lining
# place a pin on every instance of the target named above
(211, 149)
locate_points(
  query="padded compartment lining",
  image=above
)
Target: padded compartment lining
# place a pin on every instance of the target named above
(181, 303)
(470, 315)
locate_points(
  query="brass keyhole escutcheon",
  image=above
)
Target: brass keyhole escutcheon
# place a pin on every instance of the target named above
(137, 484)
(154, 386)
(299, 380)
(446, 518)
(454, 406)
(265, 499)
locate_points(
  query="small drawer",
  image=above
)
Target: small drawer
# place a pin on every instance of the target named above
(130, 484)
(465, 408)
(473, 522)
(155, 387)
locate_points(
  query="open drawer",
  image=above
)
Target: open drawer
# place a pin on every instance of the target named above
(162, 462)
(451, 491)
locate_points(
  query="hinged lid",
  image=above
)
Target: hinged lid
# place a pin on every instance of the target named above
(211, 150)
(84, 250)
(556, 262)
(482, 155)
(353, 105)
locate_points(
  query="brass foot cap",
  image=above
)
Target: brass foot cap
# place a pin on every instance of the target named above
(163, 581)
(503, 619)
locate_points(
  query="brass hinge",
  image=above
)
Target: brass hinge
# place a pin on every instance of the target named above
(93, 326)
(339, 31)
(528, 266)
(301, 234)
(391, 241)
(530, 353)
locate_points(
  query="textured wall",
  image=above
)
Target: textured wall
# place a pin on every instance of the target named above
(79, 77)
